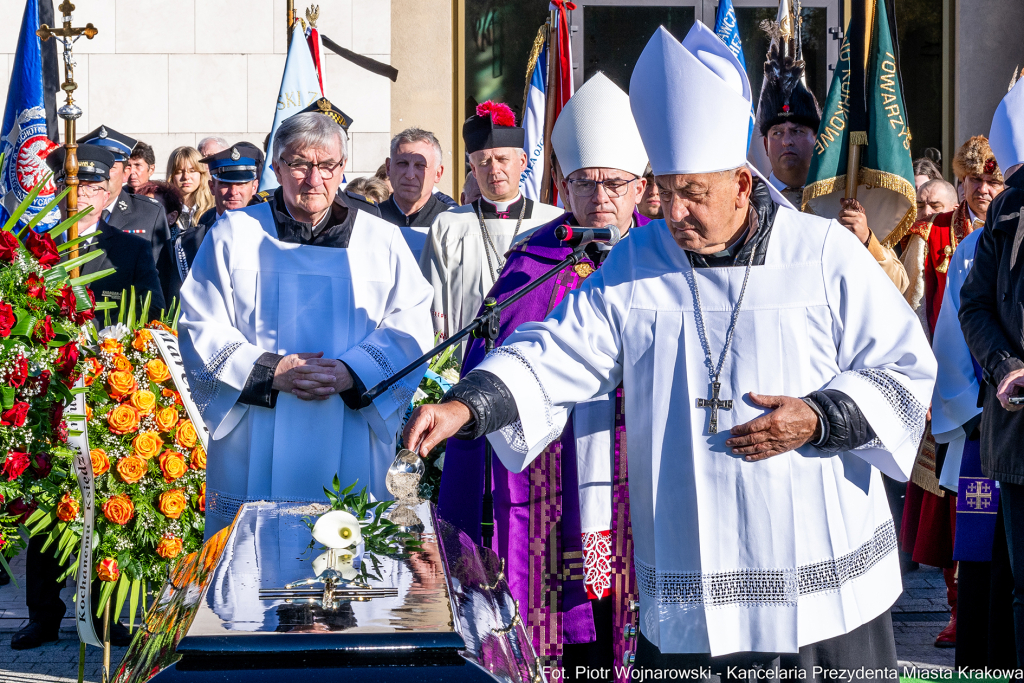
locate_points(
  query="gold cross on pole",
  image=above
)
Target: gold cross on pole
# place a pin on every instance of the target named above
(70, 112)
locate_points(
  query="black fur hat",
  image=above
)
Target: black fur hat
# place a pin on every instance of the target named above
(783, 94)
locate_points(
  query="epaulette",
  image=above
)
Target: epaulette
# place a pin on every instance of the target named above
(360, 197)
(260, 197)
(922, 229)
(148, 199)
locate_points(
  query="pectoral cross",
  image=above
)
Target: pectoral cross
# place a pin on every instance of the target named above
(714, 404)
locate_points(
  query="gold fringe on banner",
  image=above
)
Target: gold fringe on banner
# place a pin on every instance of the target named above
(531, 63)
(870, 178)
(859, 137)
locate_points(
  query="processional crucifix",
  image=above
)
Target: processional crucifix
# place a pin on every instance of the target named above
(70, 112)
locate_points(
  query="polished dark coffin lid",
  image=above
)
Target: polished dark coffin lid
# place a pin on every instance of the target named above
(453, 617)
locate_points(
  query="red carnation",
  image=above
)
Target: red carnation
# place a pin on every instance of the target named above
(41, 465)
(15, 415)
(15, 464)
(43, 248)
(7, 319)
(500, 113)
(67, 358)
(21, 509)
(8, 246)
(66, 301)
(35, 287)
(82, 317)
(19, 374)
(43, 332)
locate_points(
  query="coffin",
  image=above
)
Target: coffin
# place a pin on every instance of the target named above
(443, 613)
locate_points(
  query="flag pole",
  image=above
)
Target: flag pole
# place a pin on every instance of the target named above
(70, 112)
(860, 37)
(549, 106)
(289, 20)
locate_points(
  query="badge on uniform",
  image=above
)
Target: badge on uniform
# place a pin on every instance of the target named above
(123, 205)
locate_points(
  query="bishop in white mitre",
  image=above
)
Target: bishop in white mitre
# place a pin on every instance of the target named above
(466, 247)
(288, 303)
(764, 395)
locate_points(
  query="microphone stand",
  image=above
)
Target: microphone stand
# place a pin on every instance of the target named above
(486, 326)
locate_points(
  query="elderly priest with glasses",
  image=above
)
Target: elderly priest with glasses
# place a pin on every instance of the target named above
(763, 396)
(291, 309)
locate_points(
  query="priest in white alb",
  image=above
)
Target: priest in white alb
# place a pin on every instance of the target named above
(466, 247)
(289, 305)
(763, 395)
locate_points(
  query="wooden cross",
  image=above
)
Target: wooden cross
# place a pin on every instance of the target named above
(714, 404)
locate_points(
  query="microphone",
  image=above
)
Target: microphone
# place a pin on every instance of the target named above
(575, 236)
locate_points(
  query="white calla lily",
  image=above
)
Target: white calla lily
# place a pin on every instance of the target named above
(337, 529)
(341, 562)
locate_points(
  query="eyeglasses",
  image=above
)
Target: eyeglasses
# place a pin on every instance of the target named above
(90, 190)
(302, 169)
(615, 187)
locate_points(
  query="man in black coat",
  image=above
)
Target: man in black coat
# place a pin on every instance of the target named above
(991, 310)
(130, 213)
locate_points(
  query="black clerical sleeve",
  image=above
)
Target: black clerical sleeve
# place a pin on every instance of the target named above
(353, 396)
(259, 385)
(843, 425)
(490, 403)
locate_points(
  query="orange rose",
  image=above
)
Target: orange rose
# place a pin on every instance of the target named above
(157, 325)
(123, 419)
(121, 384)
(100, 462)
(67, 508)
(93, 368)
(119, 509)
(122, 364)
(88, 412)
(107, 570)
(111, 345)
(166, 418)
(147, 445)
(157, 371)
(186, 435)
(169, 547)
(144, 401)
(167, 393)
(172, 503)
(172, 464)
(142, 338)
(199, 458)
(202, 497)
(132, 469)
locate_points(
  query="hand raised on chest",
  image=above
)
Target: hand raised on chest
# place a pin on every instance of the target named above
(790, 425)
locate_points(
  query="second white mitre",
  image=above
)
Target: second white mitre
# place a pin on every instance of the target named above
(730, 555)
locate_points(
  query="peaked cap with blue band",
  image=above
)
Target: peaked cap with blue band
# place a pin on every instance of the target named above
(119, 144)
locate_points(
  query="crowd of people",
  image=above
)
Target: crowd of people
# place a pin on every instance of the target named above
(782, 374)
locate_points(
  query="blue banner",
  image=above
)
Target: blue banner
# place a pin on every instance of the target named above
(533, 123)
(727, 30)
(25, 143)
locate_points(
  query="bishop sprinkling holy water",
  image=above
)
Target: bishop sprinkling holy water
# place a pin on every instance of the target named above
(763, 395)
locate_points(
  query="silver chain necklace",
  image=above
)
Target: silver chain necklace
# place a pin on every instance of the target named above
(487, 238)
(713, 403)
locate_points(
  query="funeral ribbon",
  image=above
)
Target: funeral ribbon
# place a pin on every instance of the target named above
(167, 345)
(79, 440)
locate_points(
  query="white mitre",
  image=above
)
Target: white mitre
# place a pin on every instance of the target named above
(596, 130)
(691, 103)
(1006, 136)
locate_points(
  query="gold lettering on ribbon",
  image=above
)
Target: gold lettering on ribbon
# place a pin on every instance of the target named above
(887, 84)
(833, 130)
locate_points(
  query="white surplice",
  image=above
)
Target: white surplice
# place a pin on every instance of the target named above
(955, 401)
(454, 260)
(249, 293)
(736, 556)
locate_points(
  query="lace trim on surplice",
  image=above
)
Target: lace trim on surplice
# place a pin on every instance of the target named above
(400, 391)
(908, 409)
(513, 433)
(205, 384)
(766, 587)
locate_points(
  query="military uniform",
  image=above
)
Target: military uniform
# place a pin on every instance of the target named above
(135, 214)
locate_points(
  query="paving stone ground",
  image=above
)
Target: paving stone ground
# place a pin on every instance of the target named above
(918, 616)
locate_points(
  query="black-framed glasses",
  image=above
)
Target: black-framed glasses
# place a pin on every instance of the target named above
(300, 168)
(614, 187)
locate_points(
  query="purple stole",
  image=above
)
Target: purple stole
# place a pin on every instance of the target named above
(537, 529)
(977, 504)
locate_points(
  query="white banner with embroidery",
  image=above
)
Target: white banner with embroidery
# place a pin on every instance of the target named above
(167, 344)
(79, 440)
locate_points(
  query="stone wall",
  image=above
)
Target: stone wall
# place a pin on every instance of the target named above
(171, 72)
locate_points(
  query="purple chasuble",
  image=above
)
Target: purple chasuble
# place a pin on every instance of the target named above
(536, 528)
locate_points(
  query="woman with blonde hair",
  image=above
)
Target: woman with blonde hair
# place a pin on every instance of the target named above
(186, 172)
